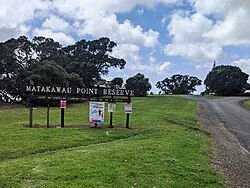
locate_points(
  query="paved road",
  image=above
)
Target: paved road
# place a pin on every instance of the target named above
(235, 117)
(228, 124)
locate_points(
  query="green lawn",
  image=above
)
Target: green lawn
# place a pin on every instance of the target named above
(246, 103)
(165, 147)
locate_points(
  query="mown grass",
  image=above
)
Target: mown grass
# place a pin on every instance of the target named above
(246, 103)
(165, 147)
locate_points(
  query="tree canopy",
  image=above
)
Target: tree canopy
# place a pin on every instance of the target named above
(179, 84)
(225, 80)
(47, 62)
(139, 82)
(116, 82)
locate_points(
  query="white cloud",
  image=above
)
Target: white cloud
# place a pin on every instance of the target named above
(124, 32)
(244, 65)
(202, 34)
(232, 20)
(80, 9)
(57, 36)
(14, 14)
(99, 19)
(130, 52)
(220, 8)
(233, 29)
(135, 63)
(12, 32)
(188, 29)
(55, 23)
(198, 52)
(188, 38)
(94, 19)
(155, 69)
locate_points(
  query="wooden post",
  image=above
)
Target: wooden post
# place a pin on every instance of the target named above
(48, 116)
(31, 117)
(62, 117)
(111, 115)
(111, 120)
(31, 107)
(127, 119)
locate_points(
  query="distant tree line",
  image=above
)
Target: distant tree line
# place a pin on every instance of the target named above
(46, 62)
(224, 80)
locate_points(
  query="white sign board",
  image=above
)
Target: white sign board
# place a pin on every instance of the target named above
(128, 108)
(96, 112)
(111, 107)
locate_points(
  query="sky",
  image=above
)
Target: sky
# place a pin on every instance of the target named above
(158, 38)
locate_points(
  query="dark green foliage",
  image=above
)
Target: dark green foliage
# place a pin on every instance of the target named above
(91, 59)
(225, 80)
(49, 73)
(45, 61)
(179, 84)
(139, 82)
(117, 82)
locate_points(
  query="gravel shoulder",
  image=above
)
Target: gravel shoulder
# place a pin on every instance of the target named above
(229, 157)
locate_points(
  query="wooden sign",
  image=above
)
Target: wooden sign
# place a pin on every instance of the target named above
(60, 90)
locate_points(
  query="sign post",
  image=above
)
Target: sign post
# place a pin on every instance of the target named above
(62, 106)
(128, 111)
(48, 115)
(111, 109)
(31, 117)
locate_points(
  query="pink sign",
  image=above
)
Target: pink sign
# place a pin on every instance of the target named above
(62, 104)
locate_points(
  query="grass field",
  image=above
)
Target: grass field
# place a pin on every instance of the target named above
(246, 103)
(165, 147)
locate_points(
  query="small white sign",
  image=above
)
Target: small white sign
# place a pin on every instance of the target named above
(111, 107)
(128, 108)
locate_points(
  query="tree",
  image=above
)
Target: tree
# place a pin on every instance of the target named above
(139, 82)
(48, 49)
(49, 73)
(116, 83)
(14, 58)
(82, 63)
(225, 80)
(179, 84)
(91, 59)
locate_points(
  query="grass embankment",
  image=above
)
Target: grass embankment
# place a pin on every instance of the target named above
(246, 103)
(165, 148)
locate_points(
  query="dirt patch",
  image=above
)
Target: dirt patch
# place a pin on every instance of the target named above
(81, 127)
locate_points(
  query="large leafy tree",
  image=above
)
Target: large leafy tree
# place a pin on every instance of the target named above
(84, 62)
(48, 49)
(140, 83)
(91, 59)
(15, 56)
(49, 73)
(225, 80)
(179, 84)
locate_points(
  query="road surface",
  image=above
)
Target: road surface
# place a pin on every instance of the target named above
(228, 124)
